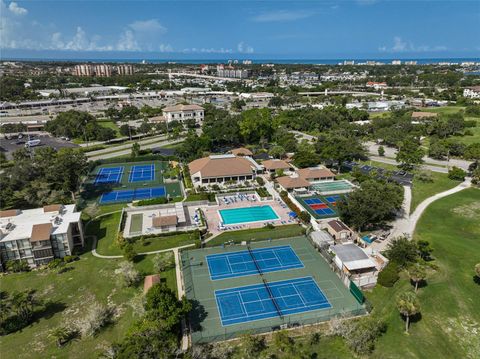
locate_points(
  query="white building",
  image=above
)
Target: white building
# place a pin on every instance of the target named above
(125, 69)
(103, 70)
(183, 113)
(83, 70)
(472, 92)
(39, 235)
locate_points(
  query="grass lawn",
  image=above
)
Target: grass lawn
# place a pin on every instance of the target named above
(468, 140)
(450, 320)
(71, 293)
(112, 125)
(423, 190)
(290, 230)
(165, 242)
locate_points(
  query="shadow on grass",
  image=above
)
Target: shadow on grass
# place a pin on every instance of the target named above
(50, 309)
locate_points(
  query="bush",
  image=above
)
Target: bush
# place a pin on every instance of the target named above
(260, 181)
(148, 202)
(17, 266)
(457, 174)
(97, 317)
(127, 272)
(69, 259)
(424, 176)
(129, 252)
(389, 275)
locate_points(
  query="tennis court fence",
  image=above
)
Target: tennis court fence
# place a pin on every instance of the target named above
(201, 334)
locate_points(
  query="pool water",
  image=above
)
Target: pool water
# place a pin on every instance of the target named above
(247, 214)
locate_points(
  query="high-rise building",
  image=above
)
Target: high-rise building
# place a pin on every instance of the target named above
(125, 70)
(83, 70)
(103, 70)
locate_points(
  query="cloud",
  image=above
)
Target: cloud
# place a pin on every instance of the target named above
(283, 15)
(400, 45)
(207, 50)
(17, 10)
(243, 48)
(152, 25)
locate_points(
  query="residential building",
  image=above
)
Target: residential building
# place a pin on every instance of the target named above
(103, 70)
(256, 96)
(183, 113)
(377, 85)
(316, 174)
(396, 62)
(288, 183)
(241, 151)
(83, 70)
(125, 70)
(223, 168)
(39, 235)
(231, 72)
(472, 92)
(271, 166)
(165, 223)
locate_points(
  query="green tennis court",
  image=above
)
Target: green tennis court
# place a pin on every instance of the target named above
(341, 186)
(219, 315)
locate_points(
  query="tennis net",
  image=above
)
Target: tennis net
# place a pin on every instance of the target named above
(267, 287)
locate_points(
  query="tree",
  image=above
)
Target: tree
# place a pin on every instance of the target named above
(129, 252)
(402, 251)
(252, 346)
(276, 101)
(238, 104)
(381, 151)
(424, 249)
(409, 154)
(472, 152)
(408, 305)
(135, 150)
(305, 155)
(339, 147)
(256, 124)
(417, 274)
(128, 273)
(456, 174)
(371, 204)
(277, 151)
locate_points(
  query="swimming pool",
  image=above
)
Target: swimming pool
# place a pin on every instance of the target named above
(247, 215)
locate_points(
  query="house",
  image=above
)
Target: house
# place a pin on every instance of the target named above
(241, 151)
(165, 223)
(418, 115)
(355, 264)
(150, 281)
(223, 168)
(39, 235)
(288, 183)
(183, 113)
(377, 85)
(316, 174)
(271, 166)
(340, 231)
(472, 92)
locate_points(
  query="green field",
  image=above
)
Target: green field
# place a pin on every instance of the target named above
(450, 320)
(112, 125)
(70, 294)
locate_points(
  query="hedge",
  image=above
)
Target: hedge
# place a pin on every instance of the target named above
(389, 275)
(302, 215)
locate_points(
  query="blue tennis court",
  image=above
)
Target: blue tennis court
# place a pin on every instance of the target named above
(313, 201)
(109, 175)
(141, 173)
(129, 195)
(333, 199)
(255, 302)
(238, 264)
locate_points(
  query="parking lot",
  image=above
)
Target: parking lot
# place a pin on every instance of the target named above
(13, 144)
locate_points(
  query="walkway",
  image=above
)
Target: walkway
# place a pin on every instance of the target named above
(405, 225)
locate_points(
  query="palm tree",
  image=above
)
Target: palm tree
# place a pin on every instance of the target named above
(408, 305)
(417, 273)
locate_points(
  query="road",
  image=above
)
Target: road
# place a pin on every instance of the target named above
(392, 153)
(128, 150)
(127, 145)
(391, 161)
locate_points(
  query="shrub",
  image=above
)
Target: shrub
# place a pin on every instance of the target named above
(97, 317)
(457, 174)
(260, 181)
(389, 275)
(57, 262)
(69, 259)
(381, 151)
(148, 202)
(129, 252)
(424, 176)
(17, 266)
(127, 272)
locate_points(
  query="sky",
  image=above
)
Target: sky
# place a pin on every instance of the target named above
(211, 29)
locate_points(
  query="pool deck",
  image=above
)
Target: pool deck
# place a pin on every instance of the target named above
(213, 217)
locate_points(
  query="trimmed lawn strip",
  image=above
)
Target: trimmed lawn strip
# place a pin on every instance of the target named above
(166, 242)
(423, 190)
(449, 306)
(290, 230)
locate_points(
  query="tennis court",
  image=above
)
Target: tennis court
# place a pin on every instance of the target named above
(129, 195)
(142, 173)
(319, 207)
(341, 186)
(267, 300)
(109, 175)
(242, 263)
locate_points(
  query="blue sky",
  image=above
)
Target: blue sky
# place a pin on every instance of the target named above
(240, 29)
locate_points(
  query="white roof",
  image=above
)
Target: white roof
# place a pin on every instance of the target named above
(26, 219)
(352, 256)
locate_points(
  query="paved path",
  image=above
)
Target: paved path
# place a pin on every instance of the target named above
(405, 225)
(392, 161)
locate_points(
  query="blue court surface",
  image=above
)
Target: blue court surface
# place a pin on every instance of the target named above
(129, 195)
(247, 214)
(333, 199)
(238, 264)
(141, 173)
(253, 302)
(109, 175)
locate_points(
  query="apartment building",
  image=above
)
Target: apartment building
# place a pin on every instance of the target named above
(232, 72)
(183, 113)
(472, 92)
(83, 70)
(39, 235)
(125, 70)
(103, 70)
